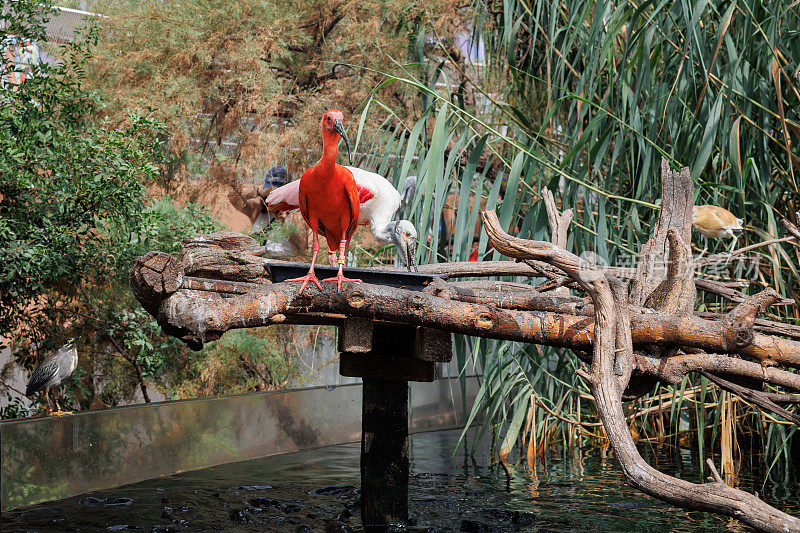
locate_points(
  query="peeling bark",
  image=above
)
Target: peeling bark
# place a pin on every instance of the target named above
(198, 317)
(677, 200)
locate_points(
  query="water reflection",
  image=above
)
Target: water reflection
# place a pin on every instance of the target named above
(449, 492)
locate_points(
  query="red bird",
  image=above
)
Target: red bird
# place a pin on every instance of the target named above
(329, 199)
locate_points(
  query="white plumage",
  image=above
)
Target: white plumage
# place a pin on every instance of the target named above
(379, 201)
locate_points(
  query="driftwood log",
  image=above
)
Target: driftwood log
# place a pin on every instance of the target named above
(630, 339)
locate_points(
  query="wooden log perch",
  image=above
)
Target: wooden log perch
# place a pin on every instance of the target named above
(677, 200)
(630, 340)
(197, 318)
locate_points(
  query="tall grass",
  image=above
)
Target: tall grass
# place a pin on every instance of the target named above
(585, 98)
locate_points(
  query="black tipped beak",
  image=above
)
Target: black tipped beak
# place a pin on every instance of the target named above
(411, 256)
(339, 128)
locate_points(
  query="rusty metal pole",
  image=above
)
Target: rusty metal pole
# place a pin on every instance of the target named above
(384, 454)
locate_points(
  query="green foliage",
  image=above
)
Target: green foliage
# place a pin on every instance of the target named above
(241, 361)
(587, 98)
(74, 213)
(68, 186)
(14, 407)
(277, 231)
(26, 19)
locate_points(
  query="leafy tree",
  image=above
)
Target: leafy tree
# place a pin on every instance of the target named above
(257, 73)
(68, 186)
(74, 212)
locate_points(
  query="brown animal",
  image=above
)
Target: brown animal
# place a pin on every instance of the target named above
(717, 222)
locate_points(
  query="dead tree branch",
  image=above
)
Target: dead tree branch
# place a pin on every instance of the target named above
(677, 200)
(757, 397)
(613, 341)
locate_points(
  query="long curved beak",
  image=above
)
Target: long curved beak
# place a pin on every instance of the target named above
(339, 128)
(411, 256)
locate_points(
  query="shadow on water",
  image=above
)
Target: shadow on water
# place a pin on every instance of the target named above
(317, 491)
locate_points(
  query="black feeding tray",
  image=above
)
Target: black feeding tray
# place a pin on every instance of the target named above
(412, 281)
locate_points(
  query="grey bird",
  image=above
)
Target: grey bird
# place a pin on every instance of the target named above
(52, 371)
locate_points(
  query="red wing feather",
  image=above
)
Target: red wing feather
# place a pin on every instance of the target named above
(364, 194)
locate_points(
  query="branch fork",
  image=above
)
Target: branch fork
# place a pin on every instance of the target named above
(612, 359)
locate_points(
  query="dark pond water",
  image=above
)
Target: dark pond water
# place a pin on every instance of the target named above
(317, 491)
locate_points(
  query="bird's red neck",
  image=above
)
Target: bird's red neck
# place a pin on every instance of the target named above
(330, 147)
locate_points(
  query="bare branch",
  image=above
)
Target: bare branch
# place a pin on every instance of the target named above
(756, 397)
(559, 222)
(613, 340)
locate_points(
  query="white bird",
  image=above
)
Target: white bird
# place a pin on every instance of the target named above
(379, 203)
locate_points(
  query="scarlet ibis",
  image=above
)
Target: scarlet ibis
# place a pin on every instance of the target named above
(379, 202)
(328, 199)
(715, 221)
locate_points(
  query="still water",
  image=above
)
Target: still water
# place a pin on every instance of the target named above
(317, 491)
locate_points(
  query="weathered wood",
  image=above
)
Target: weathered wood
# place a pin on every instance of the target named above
(224, 256)
(757, 397)
(221, 286)
(228, 241)
(672, 369)
(384, 454)
(677, 201)
(197, 321)
(279, 271)
(676, 292)
(467, 269)
(433, 345)
(559, 221)
(529, 299)
(612, 341)
(740, 319)
(355, 335)
(385, 367)
(155, 276)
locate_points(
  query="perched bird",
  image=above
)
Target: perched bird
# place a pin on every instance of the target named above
(52, 371)
(714, 221)
(379, 202)
(328, 199)
(276, 176)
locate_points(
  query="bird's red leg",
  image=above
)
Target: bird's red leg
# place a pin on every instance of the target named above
(310, 276)
(332, 258)
(339, 277)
